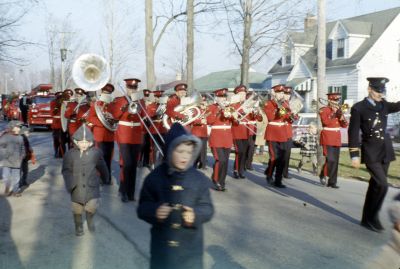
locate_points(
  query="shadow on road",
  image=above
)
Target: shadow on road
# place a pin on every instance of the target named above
(222, 259)
(8, 252)
(36, 174)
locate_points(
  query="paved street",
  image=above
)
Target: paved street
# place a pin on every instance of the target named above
(255, 226)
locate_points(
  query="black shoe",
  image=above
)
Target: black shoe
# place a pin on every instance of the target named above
(270, 180)
(323, 180)
(131, 198)
(235, 174)
(241, 176)
(334, 186)
(218, 187)
(279, 185)
(371, 226)
(124, 198)
(378, 225)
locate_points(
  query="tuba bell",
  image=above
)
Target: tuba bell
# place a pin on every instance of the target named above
(91, 72)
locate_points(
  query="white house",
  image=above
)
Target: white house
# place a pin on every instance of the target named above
(357, 48)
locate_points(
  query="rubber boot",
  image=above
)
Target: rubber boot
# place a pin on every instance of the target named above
(90, 222)
(78, 225)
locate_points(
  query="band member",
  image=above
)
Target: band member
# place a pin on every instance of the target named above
(370, 116)
(129, 137)
(276, 134)
(240, 133)
(145, 151)
(155, 113)
(199, 129)
(252, 119)
(65, 139)
(103, 137)
(332, 118)
(220, 119)
(55, 110)
(77, 111)
(287, 94)
(175, 100)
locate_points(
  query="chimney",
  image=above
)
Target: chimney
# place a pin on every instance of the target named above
(310, 21)
(178, 76)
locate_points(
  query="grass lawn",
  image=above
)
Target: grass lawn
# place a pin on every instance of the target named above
(345, 168)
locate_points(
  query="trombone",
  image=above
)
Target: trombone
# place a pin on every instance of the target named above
(133, 109)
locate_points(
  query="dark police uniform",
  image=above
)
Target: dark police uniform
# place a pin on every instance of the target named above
(376, 148)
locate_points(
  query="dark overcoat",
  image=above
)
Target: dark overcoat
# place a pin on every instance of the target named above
(376, 144)
(81, 173)
(174, 246)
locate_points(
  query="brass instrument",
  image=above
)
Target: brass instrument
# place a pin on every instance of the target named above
(343, 107)
(189, 107)
(105, 118)
(91, 72)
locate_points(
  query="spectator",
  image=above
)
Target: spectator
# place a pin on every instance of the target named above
(12, 152)
(175, 200)
(308, 151)
(81, 167)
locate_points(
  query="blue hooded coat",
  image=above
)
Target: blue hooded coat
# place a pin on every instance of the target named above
(172, 244)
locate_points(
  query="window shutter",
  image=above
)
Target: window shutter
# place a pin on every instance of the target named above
(344, 92)
(330, 88)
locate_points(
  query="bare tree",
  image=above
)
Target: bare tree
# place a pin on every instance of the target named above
(118, 45)
(12, 13)
(257, 26)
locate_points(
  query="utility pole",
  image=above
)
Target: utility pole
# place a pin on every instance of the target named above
(321, 76)
(190, 44)
(63, 52)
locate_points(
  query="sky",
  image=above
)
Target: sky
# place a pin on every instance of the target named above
(212, 53)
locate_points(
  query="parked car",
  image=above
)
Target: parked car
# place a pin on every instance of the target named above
(301, 125)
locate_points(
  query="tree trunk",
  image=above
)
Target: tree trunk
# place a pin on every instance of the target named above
(150, 73)
(190, 44)
(244, 78)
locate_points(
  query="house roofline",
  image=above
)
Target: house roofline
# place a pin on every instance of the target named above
(340, 66)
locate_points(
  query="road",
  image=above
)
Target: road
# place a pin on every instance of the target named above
(255, 225)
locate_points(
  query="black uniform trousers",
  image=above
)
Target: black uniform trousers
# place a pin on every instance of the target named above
(58, 143)
(330, 167)
(201, 161)
(377, 190)
(107, 147)
(289, 145)
(277, 151)
(241, 146)
(129, 154)
(220, 169)
(250, 151)
(145, 151)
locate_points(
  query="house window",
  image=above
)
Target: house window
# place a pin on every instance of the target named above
(288, 56)
(340, 89)
(340, 48)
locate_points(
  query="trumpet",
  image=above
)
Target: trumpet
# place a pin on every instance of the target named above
(343, 107)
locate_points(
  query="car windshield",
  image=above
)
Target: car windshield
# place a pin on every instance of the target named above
(42, 100)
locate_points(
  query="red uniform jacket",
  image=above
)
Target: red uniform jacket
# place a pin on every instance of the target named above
(290, 120)
(239, 130)
(55, 109)
(173, 101)
(76, 116)
(330, 134)
(199, 129)
(130, 129)
(221, 133)
(100, 133)
(276, 129)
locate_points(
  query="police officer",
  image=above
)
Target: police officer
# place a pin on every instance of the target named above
(103, 137)
(276, 134)
(332, 118)
(370, 116)
(220, 119)
(129, 136)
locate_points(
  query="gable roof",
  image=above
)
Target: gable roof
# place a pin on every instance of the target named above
(372, 24)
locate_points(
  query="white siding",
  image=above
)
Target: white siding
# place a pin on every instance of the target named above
(382, 60)
(279, 79)
(299, 71)
(345, 76)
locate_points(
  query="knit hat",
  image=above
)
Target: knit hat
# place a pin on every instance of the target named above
(176, 136)
(83, 133)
